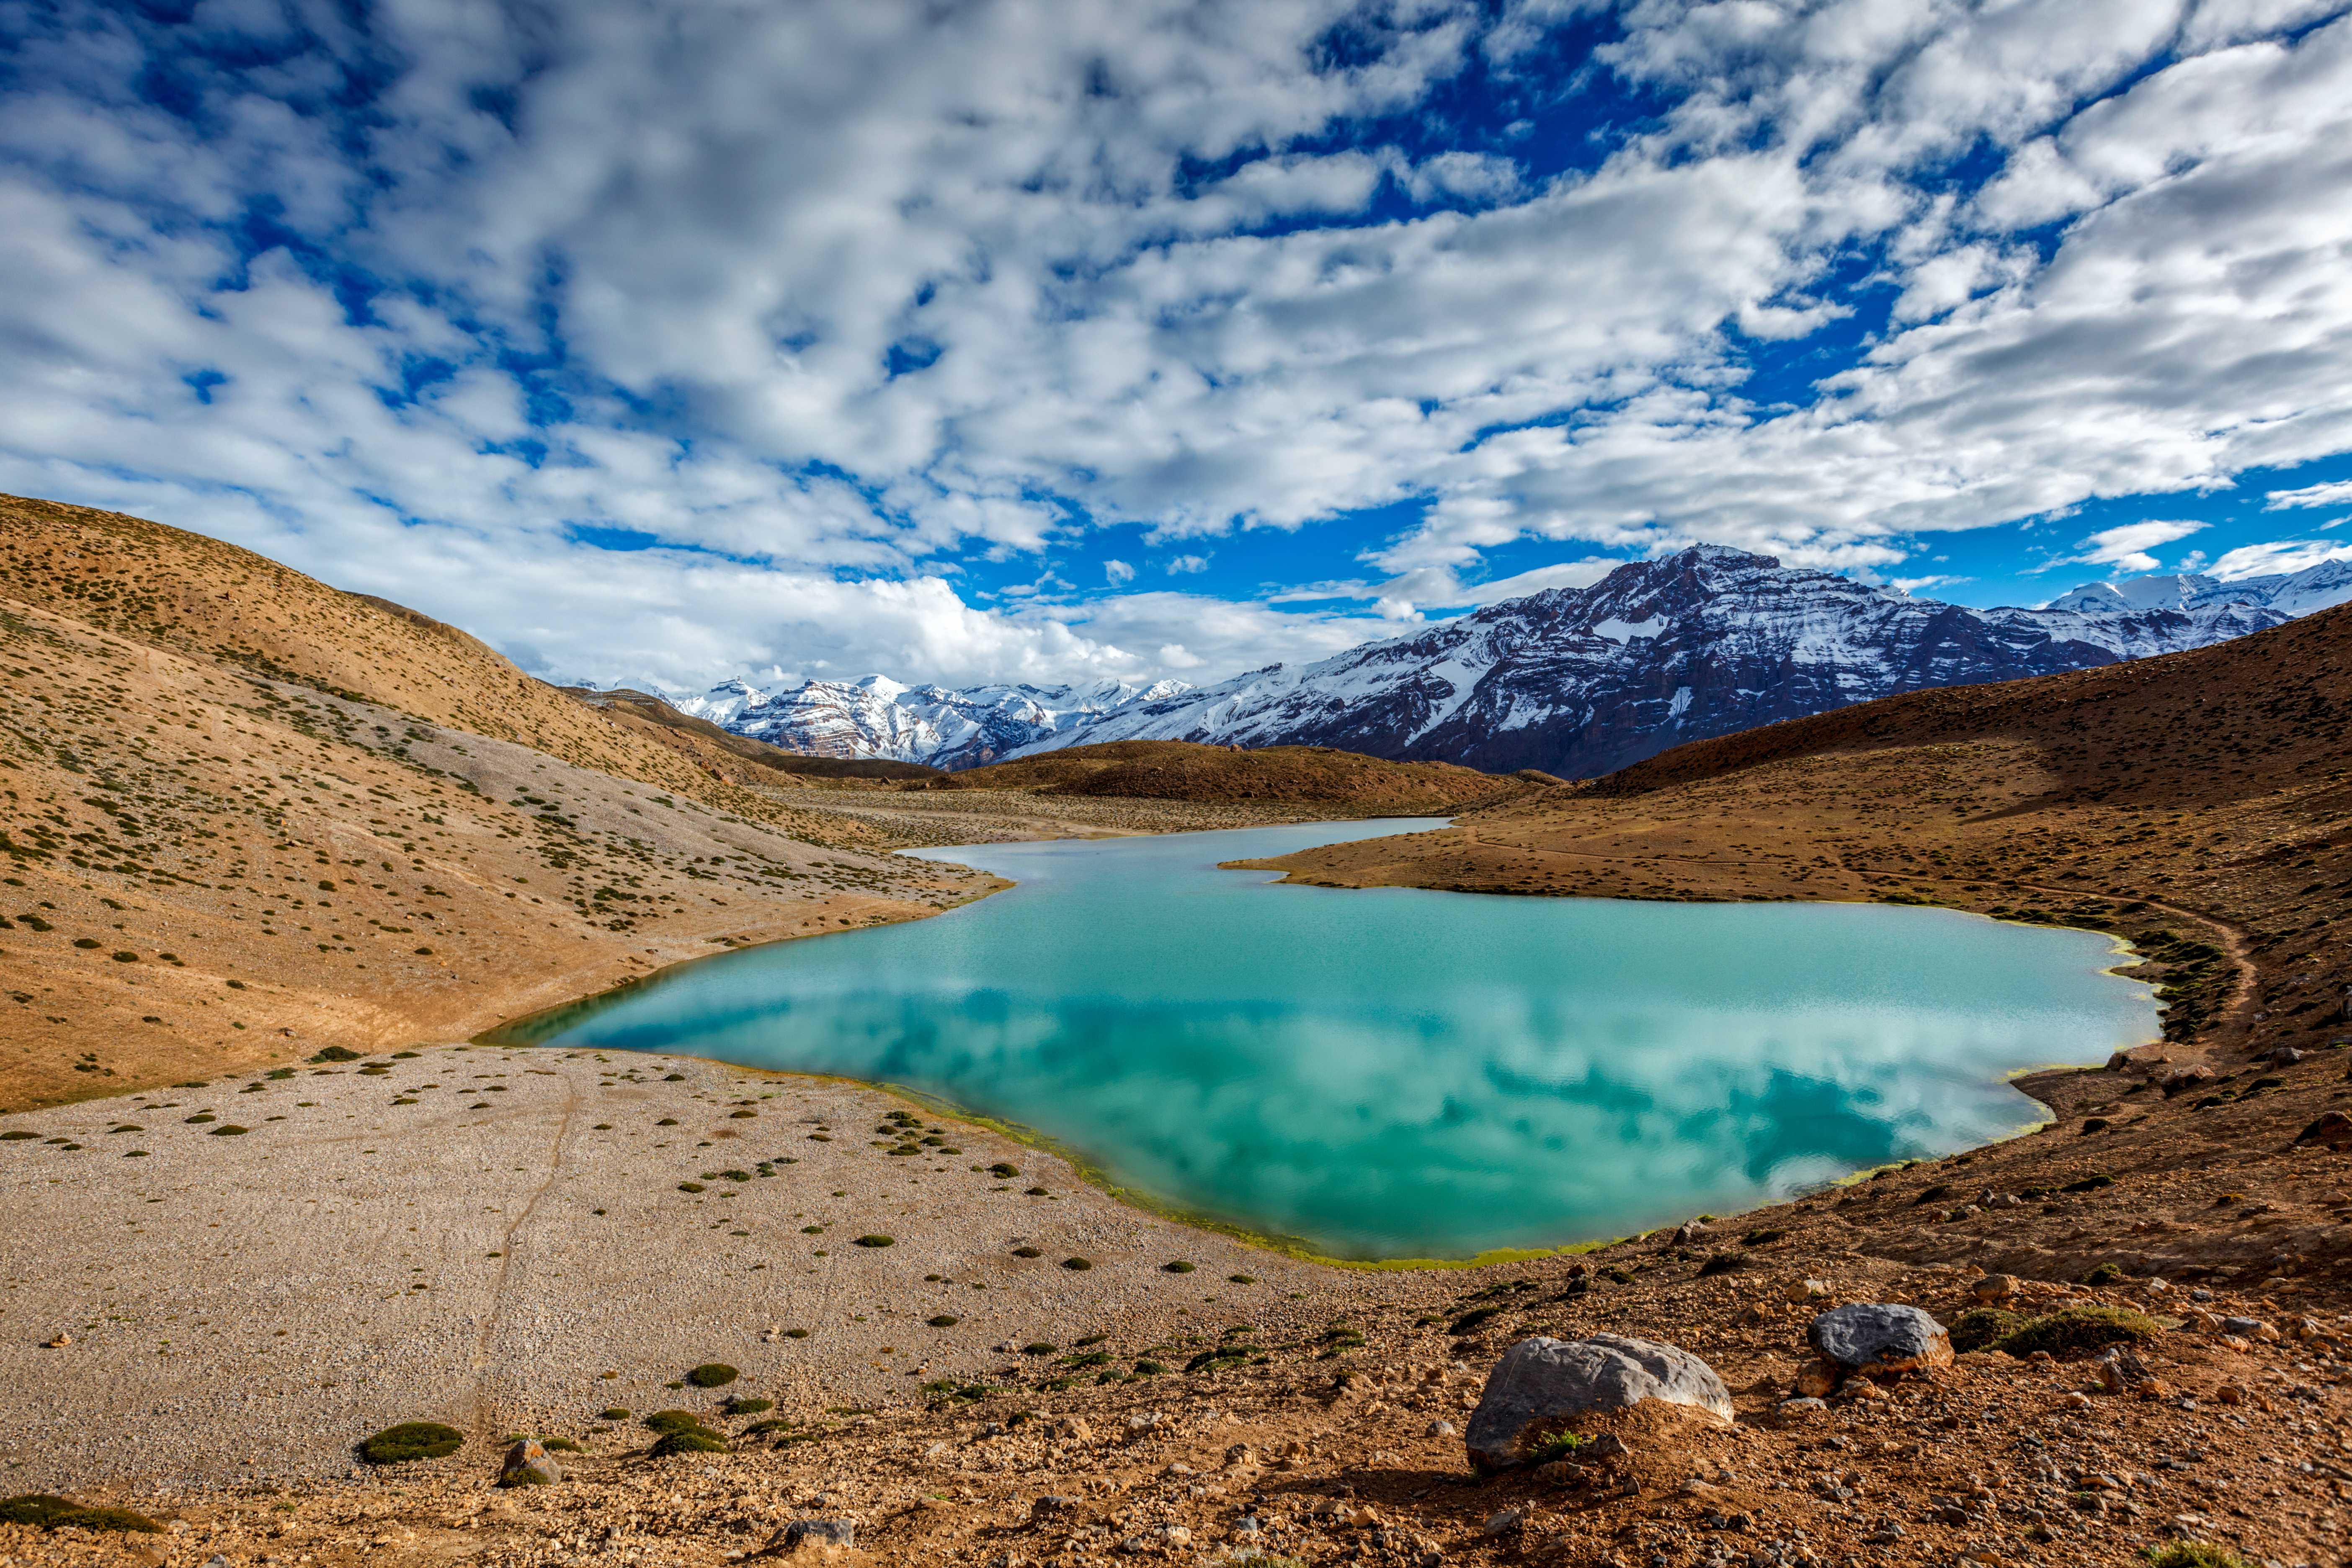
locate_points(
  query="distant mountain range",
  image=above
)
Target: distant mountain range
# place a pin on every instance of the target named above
(1575, 681)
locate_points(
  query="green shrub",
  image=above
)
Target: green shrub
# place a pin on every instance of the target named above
(56, 1513)
(1017, 1252)
(694, 1440)
(667, 1421)
(2194, 1554)
(691, 1187)
(1039, 1347)
(1002, 1171)
(712, 1375)
(17, 1134)
(1984, 1327)
(228, 1129)
(1034, 1192)
(795, 1333)
(943, 1322)
(1241, 1278)
(2088, 1184)
(615, 1414)
(1076, 1264)
(741, 1405)
(759, 1428)
(667, 1122)
(412, 1440)
(2105, 1274)
(1149, 1369)
(561, 1445)
(1762, 1237)
(1086, 1358)
(1557, 1446)
(2077, 1329)
(337, 1054)
(878, 1241)
(1179, 1266)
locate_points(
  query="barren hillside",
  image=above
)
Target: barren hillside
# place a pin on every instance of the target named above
(248, 815)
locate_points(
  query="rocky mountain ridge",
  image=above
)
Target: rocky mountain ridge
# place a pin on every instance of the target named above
(1710, 641)
(1573, 681)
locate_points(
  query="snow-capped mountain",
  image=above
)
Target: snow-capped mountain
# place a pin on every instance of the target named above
(942, 728)
(2291, 594)
(1579, 681)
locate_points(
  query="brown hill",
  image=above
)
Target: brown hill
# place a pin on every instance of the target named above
(1183, 770)
(248, 815)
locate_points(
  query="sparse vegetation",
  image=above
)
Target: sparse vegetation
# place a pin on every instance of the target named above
(412, 1440)
(694, 1440)
(712, 1375)
(44, 1512)
(2076, 1331)
(878, 1241)
(1983, 1328)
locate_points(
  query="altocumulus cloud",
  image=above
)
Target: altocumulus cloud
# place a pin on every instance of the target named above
(669, 340)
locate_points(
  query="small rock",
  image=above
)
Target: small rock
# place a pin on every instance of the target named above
(1441, 1429)
(1817, 1379)
(529, 1464)
(2251, 1329)
(1689, 1231)
(1246, 1528)
(820, 1532)
(2333, 1130)
(1051, 1504)
(1993, 1288)
(1548, 1383)
(2076, 1402)
(1801, 1409)
(1507, 1522)
(1174, 1535)
(1877, 1337)
(1801, 1291)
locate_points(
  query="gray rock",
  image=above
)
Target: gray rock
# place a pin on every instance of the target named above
(820, 1532)
(1541, 1385)
(529, 1464)
(1873, 1336)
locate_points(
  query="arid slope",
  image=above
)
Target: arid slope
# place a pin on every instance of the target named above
(248, 815)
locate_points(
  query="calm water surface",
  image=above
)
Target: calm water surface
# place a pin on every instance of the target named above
(1399, 1073)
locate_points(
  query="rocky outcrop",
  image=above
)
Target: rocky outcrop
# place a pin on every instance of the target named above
(529, 1464)
(1542, 1385)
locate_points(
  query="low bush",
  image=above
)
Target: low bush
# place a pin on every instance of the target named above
(1039, 1347)
(691, 1187)
(44, 1512)
(1240, 1279)
(615, 1414)
(561, 1445)
(412, 1440)
(2105, 1274)
(712, 1375)
(694, 1440)
(337, 1054)
(1557, 1446)
(667, 1421)
(744, 1406)
(878, 1241)
(1017, 1252)
(1722, 1263)
(1179, 1266)
(1470, 1321)
(1983, 1328)
(943, 1322)
(2080, 1329)
(1002, 1171)
(2194, 1554)
(1076, 1264)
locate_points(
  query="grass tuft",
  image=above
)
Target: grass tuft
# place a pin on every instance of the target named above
(412, 1440)
(1984, 1327)
(712, 1375)
(2080, 1329)
(878, 1241)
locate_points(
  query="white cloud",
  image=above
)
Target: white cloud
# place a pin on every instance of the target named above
(2126, 547)
(834, 299)
(2264, 560)
(2334, 494)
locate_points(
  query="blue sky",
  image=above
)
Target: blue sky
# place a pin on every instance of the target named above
(1074, 340)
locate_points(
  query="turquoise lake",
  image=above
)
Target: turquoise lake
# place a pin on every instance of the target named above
(1396, 1073)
